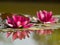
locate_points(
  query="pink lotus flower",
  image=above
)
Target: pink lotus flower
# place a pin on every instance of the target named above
(19, 34)
(44, 32)
(45, 17)
(17, 21)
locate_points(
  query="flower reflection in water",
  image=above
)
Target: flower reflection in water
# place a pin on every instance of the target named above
(19, 34)
(51, 38)
(44, 32)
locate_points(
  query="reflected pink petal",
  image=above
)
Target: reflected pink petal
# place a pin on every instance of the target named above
(19, 35)
(14, 36)
(8, 34)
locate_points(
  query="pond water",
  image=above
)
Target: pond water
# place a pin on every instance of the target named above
(6, 41)
(35, 39)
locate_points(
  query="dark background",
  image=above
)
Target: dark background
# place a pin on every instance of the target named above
(32, 0)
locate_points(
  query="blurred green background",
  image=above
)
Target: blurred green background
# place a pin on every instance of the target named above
(29, 7)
